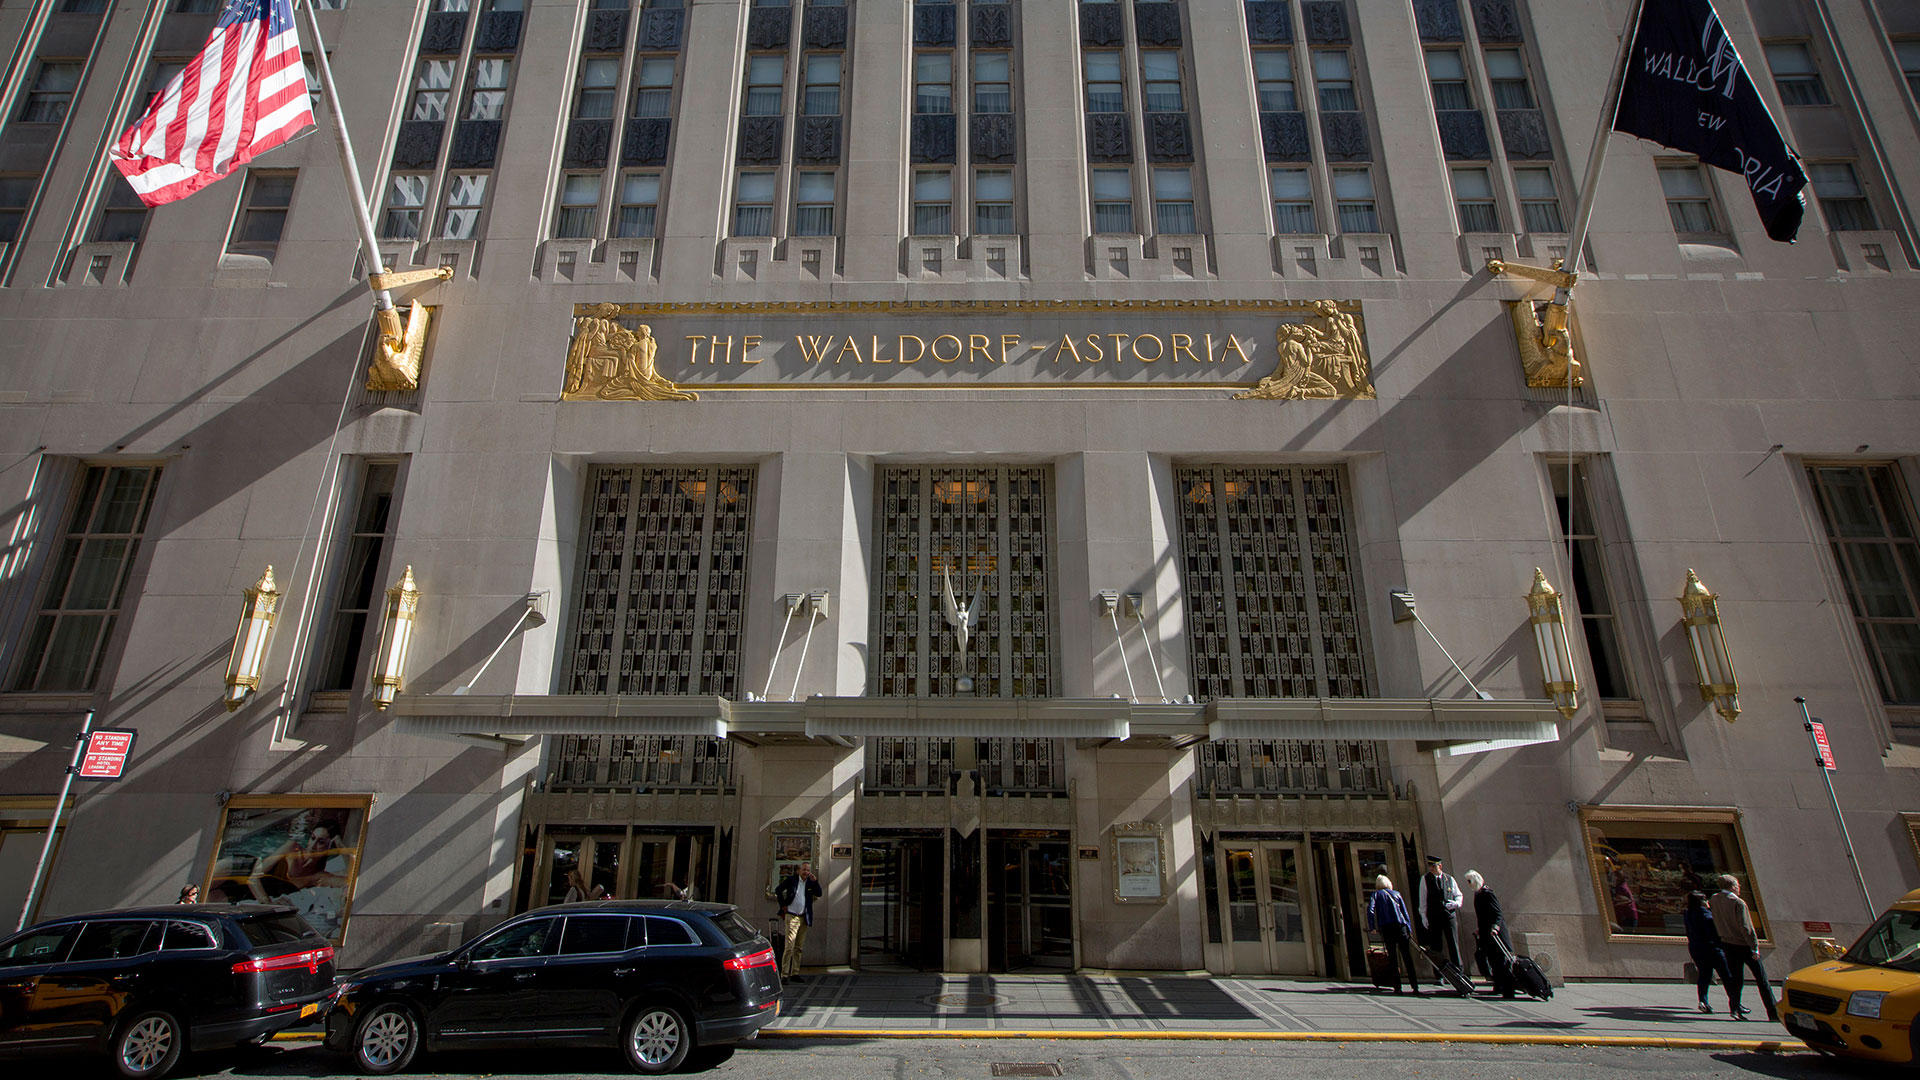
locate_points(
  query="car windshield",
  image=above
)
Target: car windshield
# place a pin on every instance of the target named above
(283, 928)
(1893, 942)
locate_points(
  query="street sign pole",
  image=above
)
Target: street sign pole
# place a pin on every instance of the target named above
(1823, 757)
(53, 828)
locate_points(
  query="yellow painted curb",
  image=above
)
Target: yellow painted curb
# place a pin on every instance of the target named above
(1484, 1038)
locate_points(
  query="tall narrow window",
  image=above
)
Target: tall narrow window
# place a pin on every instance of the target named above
(356, 596)
(15, 193)
(653, 87)
(813, 203)
(932, 202)
(823, 85)
(264, 203)
(1688, 203)
(1112, 201)
(579, 199)
(1353, 201)
(432, 83)
(992, 83)
(1333, 78)
(1599, 623)
(487, 94)
(1795, 75)
(932, 83)
(599, 80)
(466, 196)
(1173, 202)
(1539, 202)
(993, 202)
(1908, 50)
(122, 217)
(1842, 200)
(1292, 201)
(1273, 73)
(1870, 523)
(1508, 73)
(1447, 75)
(1106, 92)
(753, 205)
(1473, 199)
(1160, 74)
(639, 204)
(52, 92)
(87, 584)
(406, 199)
(764, 75)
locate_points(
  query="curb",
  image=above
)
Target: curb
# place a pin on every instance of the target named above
(1766, 1046)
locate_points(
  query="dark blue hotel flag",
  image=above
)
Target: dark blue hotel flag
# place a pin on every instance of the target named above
(1686, 88)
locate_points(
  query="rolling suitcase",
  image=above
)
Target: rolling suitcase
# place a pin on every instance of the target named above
(1450, 972)
(1526, 975)
(1380, 968)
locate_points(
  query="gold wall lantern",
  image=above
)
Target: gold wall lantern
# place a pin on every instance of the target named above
(1712, 663)
(261, 604)
(396, 637)
(1550, 636)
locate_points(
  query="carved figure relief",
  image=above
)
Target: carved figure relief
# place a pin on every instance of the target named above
(1544, 369)
(608, 362)
(1323, 357)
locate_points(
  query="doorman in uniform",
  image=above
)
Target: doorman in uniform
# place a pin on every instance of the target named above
(1438, 908)
(796, 894)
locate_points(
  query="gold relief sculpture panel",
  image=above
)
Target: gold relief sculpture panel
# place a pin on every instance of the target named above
(1322, 357)
(608, 362)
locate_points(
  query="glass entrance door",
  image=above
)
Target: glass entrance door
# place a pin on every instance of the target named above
(594, 859)
(900, 903)
(1267, 909)
(1030, 904)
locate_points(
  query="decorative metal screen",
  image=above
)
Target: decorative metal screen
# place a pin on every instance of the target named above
(1021, 765)
(662, 581)
(908, 764)
(649, 762)
(987, 530)
(1292, 766)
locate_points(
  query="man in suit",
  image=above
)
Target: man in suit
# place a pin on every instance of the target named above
(1438, 909)
(796, 894)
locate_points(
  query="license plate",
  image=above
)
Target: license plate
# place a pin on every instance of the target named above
(1800, 1020)
(309, 1009)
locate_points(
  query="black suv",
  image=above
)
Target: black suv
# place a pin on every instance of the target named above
(658, 978)
(145, 984)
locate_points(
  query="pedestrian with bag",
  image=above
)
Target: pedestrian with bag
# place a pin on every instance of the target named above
(1491, 945)
(1703, 945)
(1740, 947)
(1387, 915)
(796, 894)
(1438, 910)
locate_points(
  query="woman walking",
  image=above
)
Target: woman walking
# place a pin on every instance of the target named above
(1703, 944)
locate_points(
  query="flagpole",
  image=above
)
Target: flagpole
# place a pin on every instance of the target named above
(1602, 133)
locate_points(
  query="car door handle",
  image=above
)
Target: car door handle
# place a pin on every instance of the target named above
(524, 974)
(623, 971)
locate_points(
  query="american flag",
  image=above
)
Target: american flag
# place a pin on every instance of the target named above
(245, 94)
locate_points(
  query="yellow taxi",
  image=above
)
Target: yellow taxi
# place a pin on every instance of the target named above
(1864, 1004)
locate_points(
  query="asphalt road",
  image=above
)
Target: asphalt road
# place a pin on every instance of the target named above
(947, 1059)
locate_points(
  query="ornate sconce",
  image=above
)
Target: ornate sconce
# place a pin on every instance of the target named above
(1712, 663)
(257, 612)
(1550, 636)
(396, 637)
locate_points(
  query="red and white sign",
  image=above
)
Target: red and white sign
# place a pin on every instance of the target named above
(1820, 744)
(106, 755)
(1817, 927)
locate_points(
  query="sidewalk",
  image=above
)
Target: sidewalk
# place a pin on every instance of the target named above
(1106, 1006)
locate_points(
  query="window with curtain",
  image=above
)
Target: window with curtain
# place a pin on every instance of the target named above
(1106, 88)
(932, 202)
(1333, 79)
(1112, 201)
(823, 85)
(1869, 519)
(1843, 202)
(1539, 201)
(932, 83)
(753, 204)
(1507, 71)
(86, 586)
(1689, 204)
(992, 82)
(764, 75)
(1447, 75)
(639, 203)
(993, 202)
(1473, 201)
(579, 199)
(1353, 201)
(1160, 74)
(1273, 75)
(1292, 191)
(813, 203)
(1173, 201)
(653, 87)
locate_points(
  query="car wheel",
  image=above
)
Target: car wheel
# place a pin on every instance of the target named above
(148, 1045)
(385, 1040)
(657, 1039)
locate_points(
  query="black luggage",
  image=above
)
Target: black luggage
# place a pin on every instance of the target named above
(1449, 971)
(1529, 979)
(1380, 968)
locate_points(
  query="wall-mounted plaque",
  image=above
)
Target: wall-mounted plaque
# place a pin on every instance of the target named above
(1139, 863)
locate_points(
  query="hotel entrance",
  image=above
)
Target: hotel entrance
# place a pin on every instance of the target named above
(626, 865)
(901, 888)
(1029, 901)
(1269, 914)
(1296, 904)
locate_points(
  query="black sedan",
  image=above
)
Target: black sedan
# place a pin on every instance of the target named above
(659, 979)
(145, 984)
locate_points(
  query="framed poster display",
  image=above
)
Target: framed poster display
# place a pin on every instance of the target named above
(302, 850)
(790, 842)
(1139, 863)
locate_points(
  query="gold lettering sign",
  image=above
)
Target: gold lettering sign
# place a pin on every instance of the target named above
(674, 352)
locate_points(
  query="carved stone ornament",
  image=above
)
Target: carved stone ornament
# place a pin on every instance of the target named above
(660, 29)
(1545, 370)
(1496, 20)
(606, 31)
(992, 139)
(992, 25)
(1524, 133)
(1439, 20)
(1323, 357)
(608, 362)
(1269, 22)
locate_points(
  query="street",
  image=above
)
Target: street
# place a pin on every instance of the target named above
(956, 1059)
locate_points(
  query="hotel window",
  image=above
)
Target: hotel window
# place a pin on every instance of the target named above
(487, 88)
(1842, 201)
(992, 82)
(1599, 622)
(932, 83)
(1106, 91)
(264, 203)
(823, 85)
(579, 198)
(1688, 202)
(639, 204)
(1270, 568)
(87, 584)
(52, 92)
(1795, 75)
(1869, 521)
(932, 202)
(599, 82)
(1908, 50)
(122, 217)
(993, 202)
(1507, 71)
(432, 83)
(813, 203)
(753, 205)
(1333, 79)
(15, 193)
(1112, 201)
(1160, 72)
(661, 592)
(987, 529)
(1292, 201)
(1473, 200)
(1539, 201)
(83, 7)
(160, 75)
(1645, 860)
(764, 75)
(1447, 75)
(406, 199)
(466, 195)
(1353, 201)
(653, 88)
(1273, 73)
(359, 589)
(1173, 202)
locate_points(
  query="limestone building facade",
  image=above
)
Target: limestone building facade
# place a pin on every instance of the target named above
(996, 450)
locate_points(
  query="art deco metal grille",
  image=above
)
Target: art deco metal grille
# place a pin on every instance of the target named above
(649, 762)
(988, 529)
(908, 764)
(1021, 765)
(1292, 766)
(662, 581)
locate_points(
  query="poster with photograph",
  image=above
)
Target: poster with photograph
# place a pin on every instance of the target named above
(270, 851)
(1137, 867)
(792, 846)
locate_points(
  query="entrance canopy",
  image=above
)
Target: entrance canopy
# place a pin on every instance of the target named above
(1462, 725)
